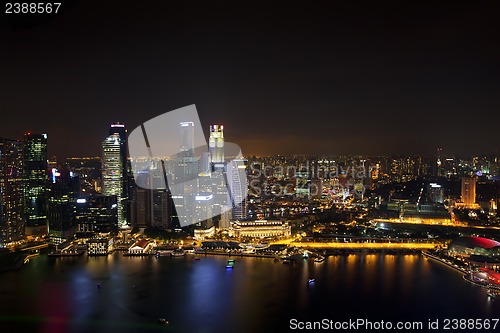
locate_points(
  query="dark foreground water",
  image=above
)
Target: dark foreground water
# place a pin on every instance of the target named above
(258, 295)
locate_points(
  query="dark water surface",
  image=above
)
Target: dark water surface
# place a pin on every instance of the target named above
(258, 295)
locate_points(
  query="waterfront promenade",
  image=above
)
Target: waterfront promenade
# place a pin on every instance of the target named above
(367, 246)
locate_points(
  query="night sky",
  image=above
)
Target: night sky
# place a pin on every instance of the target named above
(325, 78)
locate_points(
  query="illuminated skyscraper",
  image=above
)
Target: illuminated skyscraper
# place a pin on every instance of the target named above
(187, 137)
(11, 191)
(302, 183)
(469, 191)
(35, 180)
(62, 204)
(119, 128)
(435, 193)
(216, 144)
(186, 171)
(187, 164)
(112, 173)
(236, 178)
(97, 213)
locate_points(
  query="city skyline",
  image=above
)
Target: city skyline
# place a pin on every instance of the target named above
(333, 79)
(249, 167)
(445, 153)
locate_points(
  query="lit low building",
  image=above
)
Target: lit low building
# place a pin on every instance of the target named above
(474, 246)
(488, 275)
(140, 247)
(100, 246)
(201, 234)
(261, 229)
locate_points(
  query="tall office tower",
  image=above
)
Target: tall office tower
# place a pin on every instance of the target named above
(97, 213)
(35, 180)
(11, 191)
(186, 171)
(112, 173)
(142, 208)
(216, 144)
(204, 165)
(435, 193)
(440, 163)
(187, 137)
(62, 204)
(161, 203)
(120, 129)
(225, 218)
(237, 181)
(469, 191)
(303, 183)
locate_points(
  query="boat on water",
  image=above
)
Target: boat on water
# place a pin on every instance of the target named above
(493, 293)
(319, 259)
(230, 264)
(311, 281)
(162, 321)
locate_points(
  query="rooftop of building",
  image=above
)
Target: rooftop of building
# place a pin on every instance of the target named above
(474, 241)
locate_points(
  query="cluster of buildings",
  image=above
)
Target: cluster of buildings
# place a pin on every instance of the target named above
(41, 197)
(96, 197)
(482, 256)
(102, 195)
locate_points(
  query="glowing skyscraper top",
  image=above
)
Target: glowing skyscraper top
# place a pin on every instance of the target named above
(216, 144)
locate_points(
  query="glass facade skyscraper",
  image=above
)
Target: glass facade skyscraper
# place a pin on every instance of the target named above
(11, 191)
(35, 180)
(237, 181)
(112, 173)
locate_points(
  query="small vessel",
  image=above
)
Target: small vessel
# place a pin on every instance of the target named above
(230, 264)
(310, 281)
(162, 321)
(492, 293)
(319, 259)
(197, 259)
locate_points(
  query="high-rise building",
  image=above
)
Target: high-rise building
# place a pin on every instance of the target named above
(237, 181)
(128, 180)
(188, 163)
(62, 202)
(186, 172)
(469, 191)
(35, 180)
(302, 183)
(161, 209)
(119, 128)
(152, 205)
(97, 213)
(216, 144)
(435, 193)
(112, 173)
(11, 191)
(142, 208)
(225, 218)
